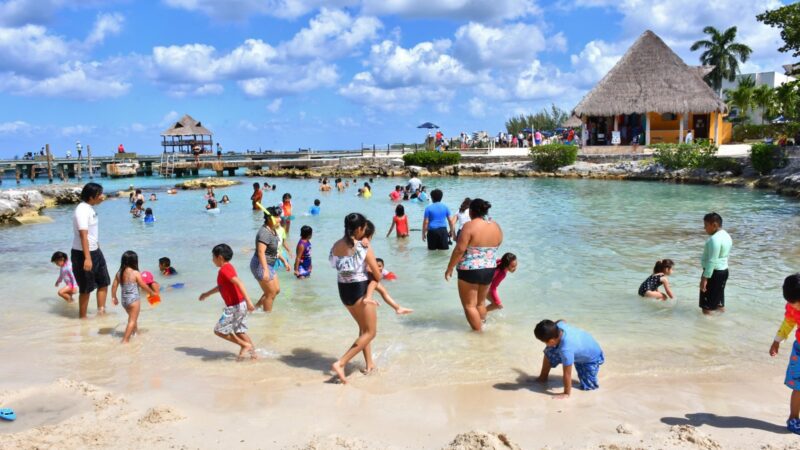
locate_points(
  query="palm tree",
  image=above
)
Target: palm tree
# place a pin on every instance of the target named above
(764, 98)
(722, 52)
(742, 96)
(787, 96)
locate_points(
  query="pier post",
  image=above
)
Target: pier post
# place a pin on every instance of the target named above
(232, 171)
(33, 172)
(196, 171)
(78, 170)
(49, 163)
(373, 150)
(89, 157)
(17, 173)
(388, 148)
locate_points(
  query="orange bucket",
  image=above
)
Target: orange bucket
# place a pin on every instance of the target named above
(154, 299)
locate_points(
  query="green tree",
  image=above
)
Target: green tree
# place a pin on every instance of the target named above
(787, 98)
(546, 119)
(787, 18)
(764, 98)
(723, 52)
(742, 96)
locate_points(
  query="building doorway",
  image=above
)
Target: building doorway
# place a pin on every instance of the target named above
(700, 126)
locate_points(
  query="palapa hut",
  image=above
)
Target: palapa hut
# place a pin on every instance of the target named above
(651, 93)
(186, 134)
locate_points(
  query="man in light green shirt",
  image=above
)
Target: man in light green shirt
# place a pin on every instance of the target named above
(715, 265)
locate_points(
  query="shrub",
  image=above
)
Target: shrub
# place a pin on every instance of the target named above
(724, 164)
(683, 156)
(550, 157)
(431, 159)
(770, 130)
(766, 157)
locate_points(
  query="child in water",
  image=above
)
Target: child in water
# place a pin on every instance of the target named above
(148, 216)
(65, 274)
(649, 287)
(791, 293)
(569, 346)
(314, 210)
(287, 216)
(507, 263)
(399, 221)
(302, 261)
(165, 266)
(225, 200)
(375, 285)
(137, 210)
(212, 205)
(232, 326)
(131, 280)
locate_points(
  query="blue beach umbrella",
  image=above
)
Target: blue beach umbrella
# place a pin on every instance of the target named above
(428, 125)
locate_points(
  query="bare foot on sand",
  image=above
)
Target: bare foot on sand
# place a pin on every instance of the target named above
(403, 311)
(339, 371)
(368, 370)
(245, 349)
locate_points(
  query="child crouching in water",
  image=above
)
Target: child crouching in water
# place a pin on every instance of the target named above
(131, 280)
(649, 287)
(65, 274)
(302, 260)
(569, 346)
(791, 293)
(507, 263)
(232, 326)
(375, 285)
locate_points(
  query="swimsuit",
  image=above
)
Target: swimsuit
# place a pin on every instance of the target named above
(498, 276)
(401, 223)
(130, 294)
(304, 268)
(650, 284)
(351, 273)
(287, 212)
(477, 265)
(67, 276)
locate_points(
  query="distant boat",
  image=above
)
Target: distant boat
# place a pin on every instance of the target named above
(123, 169)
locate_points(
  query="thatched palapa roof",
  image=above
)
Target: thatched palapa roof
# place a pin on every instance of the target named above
(572, 122)
(650, 77)
(187, 126)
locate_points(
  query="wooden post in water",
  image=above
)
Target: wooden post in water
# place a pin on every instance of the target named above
(89, 157)
(33, 173)
(49, 163)
(78, 170)
(18, 174)
(373, 150)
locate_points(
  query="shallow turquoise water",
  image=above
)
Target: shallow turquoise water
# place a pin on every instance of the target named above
(583, 246)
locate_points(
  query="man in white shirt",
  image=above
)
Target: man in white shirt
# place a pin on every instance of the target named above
(413, 184)
(88, 263)
(689, 137)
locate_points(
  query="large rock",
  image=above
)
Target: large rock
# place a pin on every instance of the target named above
(24, 198)
(62, 194)
(8, 210)
(203, 183)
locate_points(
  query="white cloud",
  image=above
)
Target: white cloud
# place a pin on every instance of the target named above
(77, 81)
(480, 46)
(332, 33)
(137, 127)
(427, 63)
(209, 89)
(346, 122)
(108, 24)
(247, 125)
(478, 10)
(240, 10)
(77, 130)
(15, 127)
(30, 50)
(476, 107)
(275, 105)
(595, 60)
(284, 80)
(363, 90)
(191, 63)
(169, 118)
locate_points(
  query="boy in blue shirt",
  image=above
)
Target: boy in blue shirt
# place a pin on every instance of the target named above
(314, 210)
(569, 346)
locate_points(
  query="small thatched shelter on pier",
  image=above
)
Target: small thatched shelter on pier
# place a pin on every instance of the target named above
(186, 134)
(651, 93)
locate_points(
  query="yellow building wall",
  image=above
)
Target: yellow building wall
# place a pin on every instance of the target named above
(668, 131)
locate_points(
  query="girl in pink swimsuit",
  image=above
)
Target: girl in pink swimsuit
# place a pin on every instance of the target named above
(508, 263)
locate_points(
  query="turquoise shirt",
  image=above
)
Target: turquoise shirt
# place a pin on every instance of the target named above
(715, 253)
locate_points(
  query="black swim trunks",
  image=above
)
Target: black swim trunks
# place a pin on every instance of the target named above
(714, 296)
(89, 281)
(438, 239)
(477, 276)
(350, 293)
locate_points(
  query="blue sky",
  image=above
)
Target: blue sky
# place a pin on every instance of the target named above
(284, 74)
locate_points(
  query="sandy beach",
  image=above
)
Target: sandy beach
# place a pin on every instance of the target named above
(744, 411)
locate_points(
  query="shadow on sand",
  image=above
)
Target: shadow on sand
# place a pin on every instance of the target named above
(523, 381)
(713, 420)
(305, 358)
(205, 354)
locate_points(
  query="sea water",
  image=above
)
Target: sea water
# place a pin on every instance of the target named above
(583, 248)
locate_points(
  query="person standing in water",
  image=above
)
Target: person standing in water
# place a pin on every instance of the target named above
(88, 262)
(256, 197)
(435, 223)
(715, 265)
(475, 253)
(351, 259)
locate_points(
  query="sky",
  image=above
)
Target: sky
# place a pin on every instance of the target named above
(334, 74)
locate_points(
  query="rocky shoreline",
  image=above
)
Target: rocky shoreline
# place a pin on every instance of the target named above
(24, 206)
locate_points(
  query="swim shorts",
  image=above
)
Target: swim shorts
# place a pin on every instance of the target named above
(233, 320)
(96, 278)
(793, 369)
(438, 239)
(587, 372)
(714, 296)
(258, 271)
(476, 276)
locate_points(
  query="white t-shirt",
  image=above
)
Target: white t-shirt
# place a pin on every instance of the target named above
(415, 183)
(85, 218)
(461, 219)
